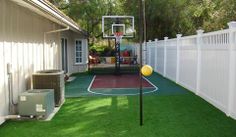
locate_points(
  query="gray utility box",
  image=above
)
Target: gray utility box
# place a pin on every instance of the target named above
(51, 79)
(36, 102)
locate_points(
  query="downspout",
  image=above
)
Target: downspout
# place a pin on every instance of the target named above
(45, 41)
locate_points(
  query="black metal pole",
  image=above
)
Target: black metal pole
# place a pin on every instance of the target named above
(141, 61)
(144, 30)
(117, 47)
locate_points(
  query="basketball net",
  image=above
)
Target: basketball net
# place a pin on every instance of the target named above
(118, 36)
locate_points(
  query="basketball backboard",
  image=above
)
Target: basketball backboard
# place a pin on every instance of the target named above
(122, 24)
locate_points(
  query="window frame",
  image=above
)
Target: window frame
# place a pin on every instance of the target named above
(81, 52)
(65, 59)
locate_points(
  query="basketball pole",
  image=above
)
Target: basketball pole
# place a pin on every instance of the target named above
(117, 47)
(117, 65)
(141, 61)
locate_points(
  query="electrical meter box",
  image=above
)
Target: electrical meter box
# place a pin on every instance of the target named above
(36, 102)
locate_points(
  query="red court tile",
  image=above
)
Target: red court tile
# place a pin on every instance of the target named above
(118, 81)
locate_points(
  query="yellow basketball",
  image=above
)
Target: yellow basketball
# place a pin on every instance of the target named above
(146, 70)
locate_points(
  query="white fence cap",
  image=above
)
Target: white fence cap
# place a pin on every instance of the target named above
(232, 24)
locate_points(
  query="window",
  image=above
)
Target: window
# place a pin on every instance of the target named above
(78, 51)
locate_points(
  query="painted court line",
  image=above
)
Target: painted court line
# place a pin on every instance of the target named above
(90, 85)
(125, 88)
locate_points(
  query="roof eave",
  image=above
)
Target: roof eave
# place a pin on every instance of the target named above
(48, 9)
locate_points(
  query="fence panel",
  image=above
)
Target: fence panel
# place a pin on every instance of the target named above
(234, 96)
(151, 54)
(146, 55)
(206, 65)
(215, 70)
(160, 57)
(188, 63)
(171, 62)
(137, 52)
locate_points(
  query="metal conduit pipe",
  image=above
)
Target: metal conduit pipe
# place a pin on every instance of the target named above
(12, 104)
(8, 117)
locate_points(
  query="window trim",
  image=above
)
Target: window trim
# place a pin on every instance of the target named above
(82, 60)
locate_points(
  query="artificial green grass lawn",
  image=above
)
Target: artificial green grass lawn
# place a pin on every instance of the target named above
(165, 115)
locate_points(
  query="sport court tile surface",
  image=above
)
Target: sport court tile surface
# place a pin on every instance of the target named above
(79, 87)
(118, 81)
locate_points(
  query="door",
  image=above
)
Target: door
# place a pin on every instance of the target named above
(64, 54)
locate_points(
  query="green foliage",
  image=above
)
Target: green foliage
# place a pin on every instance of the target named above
(88, 13)
(102, 50)
(169, 17)
(97, 48)
(163, 17)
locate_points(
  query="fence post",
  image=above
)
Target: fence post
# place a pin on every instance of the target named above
(232, 26)
(199, 59)
(179, 43)
(165, 56)
(149, 52)
(144, 60)
(156, 56)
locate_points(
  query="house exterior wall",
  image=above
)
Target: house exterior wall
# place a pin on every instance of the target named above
(71, 38)
(22, 46)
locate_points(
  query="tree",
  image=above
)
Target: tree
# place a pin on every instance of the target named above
(88, 13)
(164, 17)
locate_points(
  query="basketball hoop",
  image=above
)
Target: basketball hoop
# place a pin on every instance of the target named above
(118, 36)
(113, 24)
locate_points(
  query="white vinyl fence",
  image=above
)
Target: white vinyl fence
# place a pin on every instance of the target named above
(204, 63)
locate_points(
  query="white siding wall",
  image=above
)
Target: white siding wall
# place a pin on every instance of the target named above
(3, 105)
(21, 44)
(71, 37)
